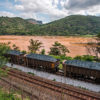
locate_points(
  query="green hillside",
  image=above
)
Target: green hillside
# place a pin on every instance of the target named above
(71, 25)
(14, 26)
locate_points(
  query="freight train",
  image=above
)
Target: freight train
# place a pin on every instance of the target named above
(71, 68)
(36, 61)
(82, 69)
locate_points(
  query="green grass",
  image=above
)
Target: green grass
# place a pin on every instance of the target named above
(7, 96)
(12, 95)
(62, 57)
(87, 35)
(84, 36)
(3, 73)
(31, 73)
(54, 79)
(82, 88)
(17, 69)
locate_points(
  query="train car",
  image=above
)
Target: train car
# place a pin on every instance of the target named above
(83, 69)
(44, 62)
(15, 57)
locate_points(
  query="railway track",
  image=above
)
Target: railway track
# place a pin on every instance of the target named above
(61, 73)
(77, 93)
(78, 78)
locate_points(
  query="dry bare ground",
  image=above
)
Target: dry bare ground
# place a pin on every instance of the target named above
(71, 42)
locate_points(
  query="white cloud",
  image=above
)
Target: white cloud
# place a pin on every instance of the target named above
(83, 7)
(4, 13)
(49, 7)
(57, 9)
(81, 4)
(49, 10)
(19, 7)
(94, 11)
(28, 15)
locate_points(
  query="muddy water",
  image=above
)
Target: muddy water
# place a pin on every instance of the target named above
(71, 42)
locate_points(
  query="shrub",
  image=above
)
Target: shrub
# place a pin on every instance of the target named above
(31, 73)
(58, 49)
(85, 58)
(54, 79)
(62, 57)
(24, 52)
(43, 52)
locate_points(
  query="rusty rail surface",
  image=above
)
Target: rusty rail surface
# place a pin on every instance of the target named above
(55, 86)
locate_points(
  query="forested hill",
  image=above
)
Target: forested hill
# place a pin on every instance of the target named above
(71, 25)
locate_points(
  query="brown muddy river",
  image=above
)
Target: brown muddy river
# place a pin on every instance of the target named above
(71, 42)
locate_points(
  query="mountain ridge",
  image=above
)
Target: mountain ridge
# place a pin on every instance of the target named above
(70, 25)
(33, 21)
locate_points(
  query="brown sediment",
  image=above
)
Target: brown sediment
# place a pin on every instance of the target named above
(71, 42)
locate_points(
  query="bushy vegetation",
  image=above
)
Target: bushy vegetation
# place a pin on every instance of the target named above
(14, 47)
(85, 58)
(93, 47)
(7, 96)
(31, 73)
(62, 57)
(71, 25)
(3, 49)
(42, 52)
(3, 60)
(34, 46)
(24, 52)
(58, 49)
(11, 95)
(54, 79)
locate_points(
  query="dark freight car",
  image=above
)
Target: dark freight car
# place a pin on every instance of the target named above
(84, 69)
(15, 57)
(44, 62)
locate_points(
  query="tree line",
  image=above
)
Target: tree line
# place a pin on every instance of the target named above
(71, 25)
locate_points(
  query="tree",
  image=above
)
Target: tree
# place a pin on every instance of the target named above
(93, 48)
(43, 52)
(3, 49)
(58, 49)
(24, 52)
(3, 60)
(34, 46)
(14, 47)
(85, 58)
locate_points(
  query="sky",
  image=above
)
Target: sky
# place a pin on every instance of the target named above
(48, 10)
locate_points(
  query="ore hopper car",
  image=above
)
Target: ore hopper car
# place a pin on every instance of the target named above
(42, 62)
(15, 57)
(83, 69)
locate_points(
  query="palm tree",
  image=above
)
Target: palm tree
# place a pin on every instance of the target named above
(34, 46)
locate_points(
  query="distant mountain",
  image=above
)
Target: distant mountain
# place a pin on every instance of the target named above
(33, 21)
(71, 25)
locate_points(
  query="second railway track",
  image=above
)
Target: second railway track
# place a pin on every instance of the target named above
(77, 93)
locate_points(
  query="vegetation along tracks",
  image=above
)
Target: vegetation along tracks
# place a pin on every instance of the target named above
(55, 86)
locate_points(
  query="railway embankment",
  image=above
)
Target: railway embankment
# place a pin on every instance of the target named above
(43, 89)
(65, 80)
